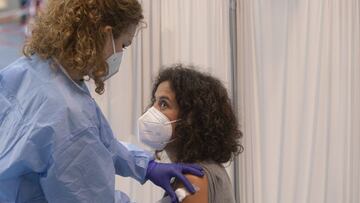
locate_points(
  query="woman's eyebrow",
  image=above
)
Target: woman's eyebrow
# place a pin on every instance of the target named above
(164, 98)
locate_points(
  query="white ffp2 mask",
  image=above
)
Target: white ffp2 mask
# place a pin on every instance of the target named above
(154, 129)
(113, 61)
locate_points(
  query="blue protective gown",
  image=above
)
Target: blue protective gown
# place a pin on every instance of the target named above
(55, 144)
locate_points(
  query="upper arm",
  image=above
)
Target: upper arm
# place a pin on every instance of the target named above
(82, 172)
(201, 196)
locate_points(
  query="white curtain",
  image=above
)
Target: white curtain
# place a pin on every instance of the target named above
(299, 87)
(187, 31)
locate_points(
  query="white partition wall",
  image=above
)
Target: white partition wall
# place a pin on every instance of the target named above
(299, 87)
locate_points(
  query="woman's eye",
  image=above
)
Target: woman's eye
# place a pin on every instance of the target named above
(162, 104)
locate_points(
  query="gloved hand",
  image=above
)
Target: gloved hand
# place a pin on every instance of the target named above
(160, 174)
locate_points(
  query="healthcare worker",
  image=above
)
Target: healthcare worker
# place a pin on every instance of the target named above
(55, 144)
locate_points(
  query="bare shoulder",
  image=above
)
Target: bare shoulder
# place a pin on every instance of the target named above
(198, 181)
(201, 183)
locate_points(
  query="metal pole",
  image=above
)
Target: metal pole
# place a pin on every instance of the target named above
(234, 72)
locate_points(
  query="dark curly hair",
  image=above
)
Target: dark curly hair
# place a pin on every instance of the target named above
(208, 130)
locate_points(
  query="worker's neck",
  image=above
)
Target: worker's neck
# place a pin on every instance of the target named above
(74, 74)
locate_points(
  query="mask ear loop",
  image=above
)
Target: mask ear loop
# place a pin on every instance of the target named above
(113, 42)
(170, 122)
(172, 140)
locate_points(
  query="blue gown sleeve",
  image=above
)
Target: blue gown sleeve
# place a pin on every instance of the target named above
(82, 171)
(121, 197)
(129, 160)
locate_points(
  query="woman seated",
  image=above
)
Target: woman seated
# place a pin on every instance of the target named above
(191, 118)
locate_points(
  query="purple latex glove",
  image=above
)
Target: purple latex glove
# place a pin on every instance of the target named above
(160, 174)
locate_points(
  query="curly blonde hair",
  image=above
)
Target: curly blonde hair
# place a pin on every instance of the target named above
(72, 31)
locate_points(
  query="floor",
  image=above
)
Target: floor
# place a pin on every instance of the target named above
(11, 42)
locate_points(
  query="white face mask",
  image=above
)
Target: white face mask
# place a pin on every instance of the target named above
(113, 61)
(155, 129)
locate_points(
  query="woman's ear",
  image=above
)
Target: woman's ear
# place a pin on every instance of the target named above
(108, 47)
(107, 29)
(189, 117)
